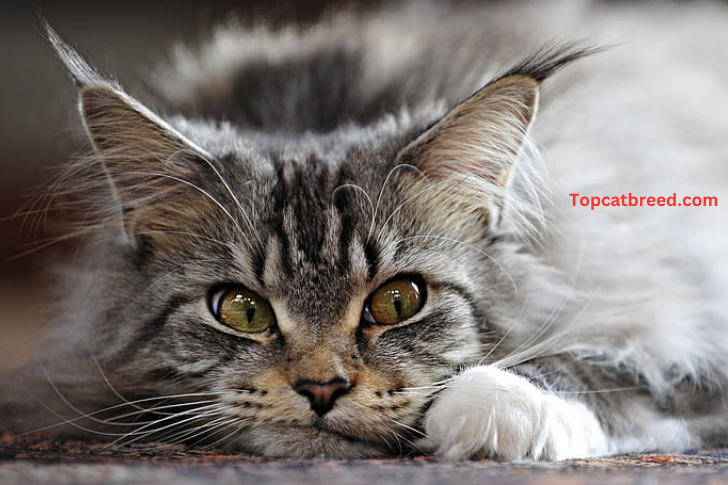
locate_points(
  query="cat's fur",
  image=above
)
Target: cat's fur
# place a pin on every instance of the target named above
(312, 165)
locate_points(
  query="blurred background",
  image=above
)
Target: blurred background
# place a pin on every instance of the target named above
(39, 128)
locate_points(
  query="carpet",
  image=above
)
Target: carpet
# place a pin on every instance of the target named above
(26, 461)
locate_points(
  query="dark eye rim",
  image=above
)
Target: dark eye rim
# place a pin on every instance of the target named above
(366, 314)
(218, 292)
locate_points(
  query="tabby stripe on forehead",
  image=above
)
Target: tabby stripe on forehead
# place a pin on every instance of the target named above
(280, 200)
(340, 201)
(347, 226)
(276, 226)
(152, 328)
(371, 252)
(258, 264)
(285, 252)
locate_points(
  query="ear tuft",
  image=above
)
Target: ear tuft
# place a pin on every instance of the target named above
(482, 137)
(544, 62)
(74, 64)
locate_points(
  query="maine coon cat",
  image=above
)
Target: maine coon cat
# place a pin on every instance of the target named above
(356, 239)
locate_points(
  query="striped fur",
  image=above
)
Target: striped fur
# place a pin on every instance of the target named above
(312, 165)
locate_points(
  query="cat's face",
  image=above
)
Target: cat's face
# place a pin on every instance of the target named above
(271, 302)
(305, 295)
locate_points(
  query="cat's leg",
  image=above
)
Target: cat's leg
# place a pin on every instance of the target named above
(565, 408)
(488, 412)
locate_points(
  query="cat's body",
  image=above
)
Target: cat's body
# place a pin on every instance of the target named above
(351, 155)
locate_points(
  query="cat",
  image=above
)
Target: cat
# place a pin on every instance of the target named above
(355, 239)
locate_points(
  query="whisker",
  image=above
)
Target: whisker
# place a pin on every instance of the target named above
(238, 429)
(469, 246)
(414, 430)
(138, 434)
(176, 233)
(110, 408)
(202, 191)
(72, 423)
(507, 332)
(209, 432)
(237, 202)
(557, 310)
(401, 166)
(599, 391)
(540, 349)
(431, 186)
(361, 190)
(108, 384)
(156, 410)
(184, 435)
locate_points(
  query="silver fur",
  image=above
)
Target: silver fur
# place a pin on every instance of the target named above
(607, 330)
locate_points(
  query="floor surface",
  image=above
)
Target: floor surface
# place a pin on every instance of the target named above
(27, 462)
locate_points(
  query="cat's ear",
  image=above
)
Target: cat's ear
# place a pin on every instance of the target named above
(469, 155)
(146, 160)
(482, 136)
(133, 143)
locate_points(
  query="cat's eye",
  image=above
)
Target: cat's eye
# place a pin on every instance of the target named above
(242, 310)
(395, 301)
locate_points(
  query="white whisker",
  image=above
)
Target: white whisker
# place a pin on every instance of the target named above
(203, 192)
(467, 245)
(401, 166)
(237, 202)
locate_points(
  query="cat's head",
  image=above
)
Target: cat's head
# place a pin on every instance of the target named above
(305, 295)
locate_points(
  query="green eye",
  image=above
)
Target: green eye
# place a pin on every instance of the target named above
(242, 310)
(395, 302)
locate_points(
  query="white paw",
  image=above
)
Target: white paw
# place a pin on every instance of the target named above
(488, 412)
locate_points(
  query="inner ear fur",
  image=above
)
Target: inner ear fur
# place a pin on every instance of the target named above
(150, 165)
(469, 155)
(482, 136)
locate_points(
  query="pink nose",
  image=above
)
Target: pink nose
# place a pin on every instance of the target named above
(322, 395)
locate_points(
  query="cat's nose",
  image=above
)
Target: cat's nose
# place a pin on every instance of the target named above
(322, 395)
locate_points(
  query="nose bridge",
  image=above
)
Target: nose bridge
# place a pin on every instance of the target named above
(320, 360)
(320, 346)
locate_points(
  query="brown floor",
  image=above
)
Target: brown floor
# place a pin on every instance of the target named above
(25, 462)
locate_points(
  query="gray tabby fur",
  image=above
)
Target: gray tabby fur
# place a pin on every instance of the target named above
(304, 179)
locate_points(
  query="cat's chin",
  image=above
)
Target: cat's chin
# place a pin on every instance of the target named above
(306, 442)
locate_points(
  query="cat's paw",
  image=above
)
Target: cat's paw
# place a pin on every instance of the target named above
(490, 413)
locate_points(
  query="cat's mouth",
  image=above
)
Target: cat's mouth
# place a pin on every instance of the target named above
(314, 441)
(320, 439)
(322, 426)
